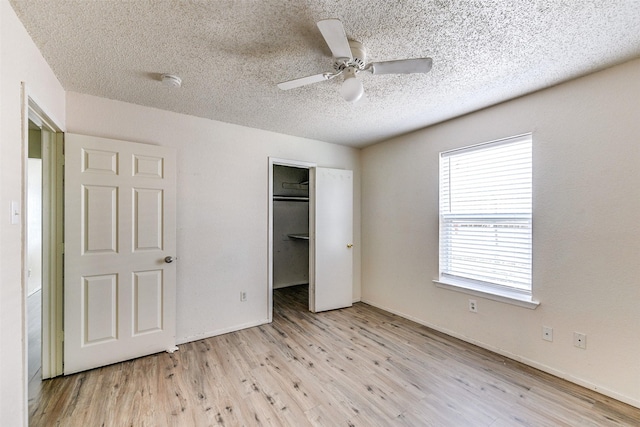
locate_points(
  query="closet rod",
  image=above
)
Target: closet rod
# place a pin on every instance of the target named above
(291, 198)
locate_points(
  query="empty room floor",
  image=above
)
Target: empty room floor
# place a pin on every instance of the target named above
(359, 366)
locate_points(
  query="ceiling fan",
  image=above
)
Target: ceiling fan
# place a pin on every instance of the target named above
(350, 58)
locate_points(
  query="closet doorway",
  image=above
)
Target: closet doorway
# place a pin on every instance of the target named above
(288, 215)
(290, 226)
(311, 232)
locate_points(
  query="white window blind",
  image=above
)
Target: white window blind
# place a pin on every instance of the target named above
(485, 214)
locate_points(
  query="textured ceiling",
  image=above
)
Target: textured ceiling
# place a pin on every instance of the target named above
(231, 54)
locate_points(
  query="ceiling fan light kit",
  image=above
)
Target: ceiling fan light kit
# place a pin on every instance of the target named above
(350, 57)
(352, 88)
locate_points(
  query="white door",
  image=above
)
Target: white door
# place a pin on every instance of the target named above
(331, 239)
(119, 293)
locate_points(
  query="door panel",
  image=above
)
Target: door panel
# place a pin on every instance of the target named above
(147, 217)
(119, 226)
(99, 309)
(99, 219)
(331, 238)
(147, 288)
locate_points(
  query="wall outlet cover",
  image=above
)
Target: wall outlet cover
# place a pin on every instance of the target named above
(473, 306)
(580, 340)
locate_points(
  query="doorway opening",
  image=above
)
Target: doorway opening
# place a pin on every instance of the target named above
(34, 253)
(288, 228)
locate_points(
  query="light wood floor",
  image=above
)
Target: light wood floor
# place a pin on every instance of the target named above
(353, 367)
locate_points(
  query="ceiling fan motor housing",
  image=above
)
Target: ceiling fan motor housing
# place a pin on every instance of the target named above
(358, 57)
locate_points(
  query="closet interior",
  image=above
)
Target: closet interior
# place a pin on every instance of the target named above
(290, 226)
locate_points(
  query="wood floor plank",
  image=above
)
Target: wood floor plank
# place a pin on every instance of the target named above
(359, 366)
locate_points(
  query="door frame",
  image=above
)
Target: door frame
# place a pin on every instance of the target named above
(52, 236)
(274, 161)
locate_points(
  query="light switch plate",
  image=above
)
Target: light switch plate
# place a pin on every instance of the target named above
(15, 212)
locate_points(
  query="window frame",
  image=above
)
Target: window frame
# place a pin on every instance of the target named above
(495, 291)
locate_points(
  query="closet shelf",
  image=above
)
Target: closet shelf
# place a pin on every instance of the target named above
(301, 236)
(290, 199)
(296, 185)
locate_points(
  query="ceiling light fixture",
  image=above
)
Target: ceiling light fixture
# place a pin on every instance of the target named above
(171, 80)
(352, 89)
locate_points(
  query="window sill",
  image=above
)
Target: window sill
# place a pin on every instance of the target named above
(488, 292)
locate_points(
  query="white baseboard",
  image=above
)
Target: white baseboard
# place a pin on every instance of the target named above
(217, 332)
(548, 369)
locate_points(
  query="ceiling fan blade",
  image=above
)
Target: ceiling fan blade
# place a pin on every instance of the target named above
(292, 84)
(402, 66)
(333, 32)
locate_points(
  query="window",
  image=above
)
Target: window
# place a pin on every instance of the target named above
(485, 217)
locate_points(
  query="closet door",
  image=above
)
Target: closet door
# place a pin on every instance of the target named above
(331, 239)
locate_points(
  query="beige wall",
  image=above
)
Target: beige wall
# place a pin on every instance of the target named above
(20, 61)
(222, 211)
(586, 230)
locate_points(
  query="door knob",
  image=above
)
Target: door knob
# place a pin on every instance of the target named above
(349, 245)
(168, 259)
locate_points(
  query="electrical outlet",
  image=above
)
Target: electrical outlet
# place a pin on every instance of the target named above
(243, 296)
(580, 340)
(547, 333)
(473, 306)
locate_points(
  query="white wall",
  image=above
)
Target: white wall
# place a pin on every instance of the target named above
(222, 212)
(20, 61)
(586, 235)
